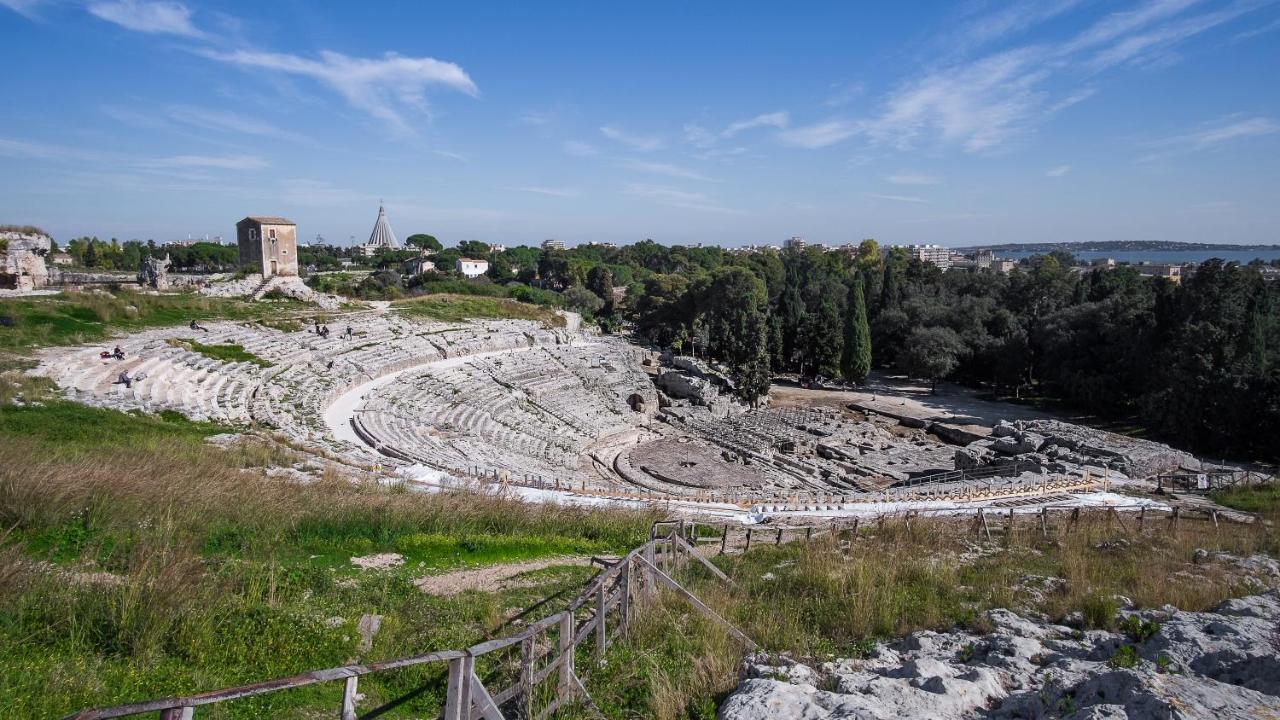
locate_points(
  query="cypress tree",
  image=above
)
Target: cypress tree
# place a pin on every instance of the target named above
(856, 363)
(889, 288)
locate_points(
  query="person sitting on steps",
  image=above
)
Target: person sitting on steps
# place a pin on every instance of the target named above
(197, 326)
(117, 353)
(124, 379)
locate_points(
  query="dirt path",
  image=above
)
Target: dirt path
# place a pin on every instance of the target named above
(490, 578)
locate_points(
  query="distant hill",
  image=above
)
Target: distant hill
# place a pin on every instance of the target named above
(1117, 246)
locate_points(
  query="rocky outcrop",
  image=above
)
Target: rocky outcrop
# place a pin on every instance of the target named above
(1068, 448)
(1219, 664)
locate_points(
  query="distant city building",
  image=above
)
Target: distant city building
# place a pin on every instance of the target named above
(1103, 263)
(934, 254)
(1004, 266)
(270, 243)
(794, 243)
(983, 259)
(419, 264)
(1173, 273)
(382, 238)
(552, 244)
(496, 248)
(61, 258)
(471, 267)
(593, 243)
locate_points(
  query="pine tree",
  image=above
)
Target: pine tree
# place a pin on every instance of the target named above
(856, 362)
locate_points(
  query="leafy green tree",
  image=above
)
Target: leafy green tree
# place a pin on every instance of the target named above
(582, 300)
(424, 241)
(856, 362)
(600, 282)
(736, 304)
(553, 268)
(931, 353)
(474, 249)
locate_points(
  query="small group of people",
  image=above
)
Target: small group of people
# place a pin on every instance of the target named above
(118, 354)
(323, 331)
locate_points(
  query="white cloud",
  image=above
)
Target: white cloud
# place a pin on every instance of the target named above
(225, 121)
(224, 162)
(896, 198)
(657, 168)
(25, 8)
(451, 155)
(1254, 32)
(820, 135)
(1210, 137)
(145, 16)
(641, 143)
(675, 197)
(778, 120)
(382, 87)
(913, 179)
(982, 104)
(1058, 171)
(29, 150)
(551, 191)
(579, 148)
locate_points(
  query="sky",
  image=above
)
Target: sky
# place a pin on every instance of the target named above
(956, 123)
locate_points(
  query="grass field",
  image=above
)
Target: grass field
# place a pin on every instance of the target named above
(75, 317)
(137, 561)
(452, 308)
(836, 597)
(226, 352)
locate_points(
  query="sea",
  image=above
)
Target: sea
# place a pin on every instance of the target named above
(1134, 257)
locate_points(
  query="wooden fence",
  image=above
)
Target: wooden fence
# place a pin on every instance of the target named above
(549, 648)
(545, 650)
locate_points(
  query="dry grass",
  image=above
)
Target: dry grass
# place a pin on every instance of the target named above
(836, 596)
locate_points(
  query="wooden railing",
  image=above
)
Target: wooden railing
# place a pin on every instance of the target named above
(546, 649)
(602, 613)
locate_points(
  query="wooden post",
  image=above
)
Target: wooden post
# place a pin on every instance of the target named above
(349, 698)
(1174, 517)
(525, 696)
(748, 547)
(565, 689)
(624, 606)
(647, 579)
(1142, 518)
(454, 709)
(779, 540)
(601, 637)
(724, 538)
(808, 533)
(1044, 521)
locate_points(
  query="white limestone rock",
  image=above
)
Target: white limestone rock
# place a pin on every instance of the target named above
(1220, 664)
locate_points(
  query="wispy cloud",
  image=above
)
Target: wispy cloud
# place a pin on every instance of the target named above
(704, 138)
(657, 168)
(226, 121)
(642, 143)
(451, 155)
(551, 191)
(905, 178)
(146, 16)
(896, 198)
(1210, 137)
(579, 148)
(31, 150)
(1254, 32)
(382, 87)
(819, 135)
(25, 8)
(675, 197)
(983, 103)
(217, 162)
(778, 120)
(1058, 171)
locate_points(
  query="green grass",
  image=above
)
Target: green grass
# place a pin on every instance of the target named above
(227, 352)
(138, 561)
(828, 599)
(454, 308)
(75, 317)
(1250, 498)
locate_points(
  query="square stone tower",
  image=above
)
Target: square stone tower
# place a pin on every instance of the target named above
(270, 243)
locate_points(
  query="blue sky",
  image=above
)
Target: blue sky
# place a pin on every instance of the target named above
(730, 123)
